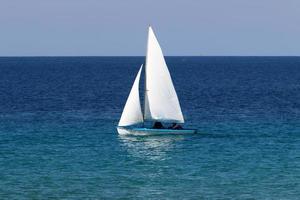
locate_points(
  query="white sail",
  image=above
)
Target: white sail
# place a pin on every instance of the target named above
(132, 113)
(161, 101)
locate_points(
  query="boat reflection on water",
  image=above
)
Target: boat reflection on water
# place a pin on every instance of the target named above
(149, 147)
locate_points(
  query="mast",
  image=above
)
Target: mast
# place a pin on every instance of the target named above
(145, 77)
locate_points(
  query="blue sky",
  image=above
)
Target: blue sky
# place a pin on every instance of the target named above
(119, 27)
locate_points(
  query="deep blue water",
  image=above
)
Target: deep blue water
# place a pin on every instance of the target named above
(58, 137)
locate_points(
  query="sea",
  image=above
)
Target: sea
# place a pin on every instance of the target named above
(58, 138)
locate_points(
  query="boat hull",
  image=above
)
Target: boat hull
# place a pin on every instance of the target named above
(150, 131)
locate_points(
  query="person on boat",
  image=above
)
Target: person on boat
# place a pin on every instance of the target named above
(175, 126)
(158, 125)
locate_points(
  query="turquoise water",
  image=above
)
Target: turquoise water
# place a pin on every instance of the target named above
(58, 138)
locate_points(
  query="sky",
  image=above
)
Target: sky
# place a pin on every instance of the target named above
(119, 27)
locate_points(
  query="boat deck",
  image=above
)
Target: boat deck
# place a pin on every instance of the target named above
(150, 131)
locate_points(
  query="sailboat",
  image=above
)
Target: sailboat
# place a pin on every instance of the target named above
(161, 103)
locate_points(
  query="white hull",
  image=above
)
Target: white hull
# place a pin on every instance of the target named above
(149, 131)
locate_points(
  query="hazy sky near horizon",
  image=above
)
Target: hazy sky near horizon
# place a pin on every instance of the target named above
(119, 27)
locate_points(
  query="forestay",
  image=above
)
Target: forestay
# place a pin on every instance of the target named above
(132, 113)
(161, 101)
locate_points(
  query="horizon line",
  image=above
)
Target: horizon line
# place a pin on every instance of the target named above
(145, 56)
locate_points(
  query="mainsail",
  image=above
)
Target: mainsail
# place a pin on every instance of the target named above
(132, 113)
(161, 101)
